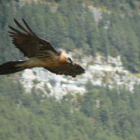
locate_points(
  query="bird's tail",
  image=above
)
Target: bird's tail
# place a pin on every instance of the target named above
(11, 67)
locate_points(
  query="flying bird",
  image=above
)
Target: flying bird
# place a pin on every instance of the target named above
(40, 53)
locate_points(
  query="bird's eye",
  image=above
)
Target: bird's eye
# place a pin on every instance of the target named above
(70, 60)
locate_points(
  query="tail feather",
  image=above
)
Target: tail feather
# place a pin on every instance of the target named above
(10, 67)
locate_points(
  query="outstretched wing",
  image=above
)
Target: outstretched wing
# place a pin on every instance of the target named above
(28, 43)
(68, 69)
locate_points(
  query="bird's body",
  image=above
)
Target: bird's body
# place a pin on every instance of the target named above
(53, 61)
(40, 53)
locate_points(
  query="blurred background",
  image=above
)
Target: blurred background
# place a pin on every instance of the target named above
(102, 104)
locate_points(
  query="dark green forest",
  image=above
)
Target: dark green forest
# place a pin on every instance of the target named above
(99, 114)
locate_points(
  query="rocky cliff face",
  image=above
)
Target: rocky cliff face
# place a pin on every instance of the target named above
(100, 71)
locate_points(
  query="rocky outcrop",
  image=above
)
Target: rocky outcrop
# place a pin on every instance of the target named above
(100, 71)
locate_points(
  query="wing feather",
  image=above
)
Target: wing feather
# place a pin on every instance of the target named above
(71, 70)
(20, 26)
(28, 26)
(28, 43)
(15, 30)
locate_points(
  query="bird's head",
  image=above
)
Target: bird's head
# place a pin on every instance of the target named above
(64, 58)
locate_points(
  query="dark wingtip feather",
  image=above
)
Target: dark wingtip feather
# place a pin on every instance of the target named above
(15, 20)
(28, 27)
(11, 32)
(20, 26)
(15, 30)
(11, 35)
